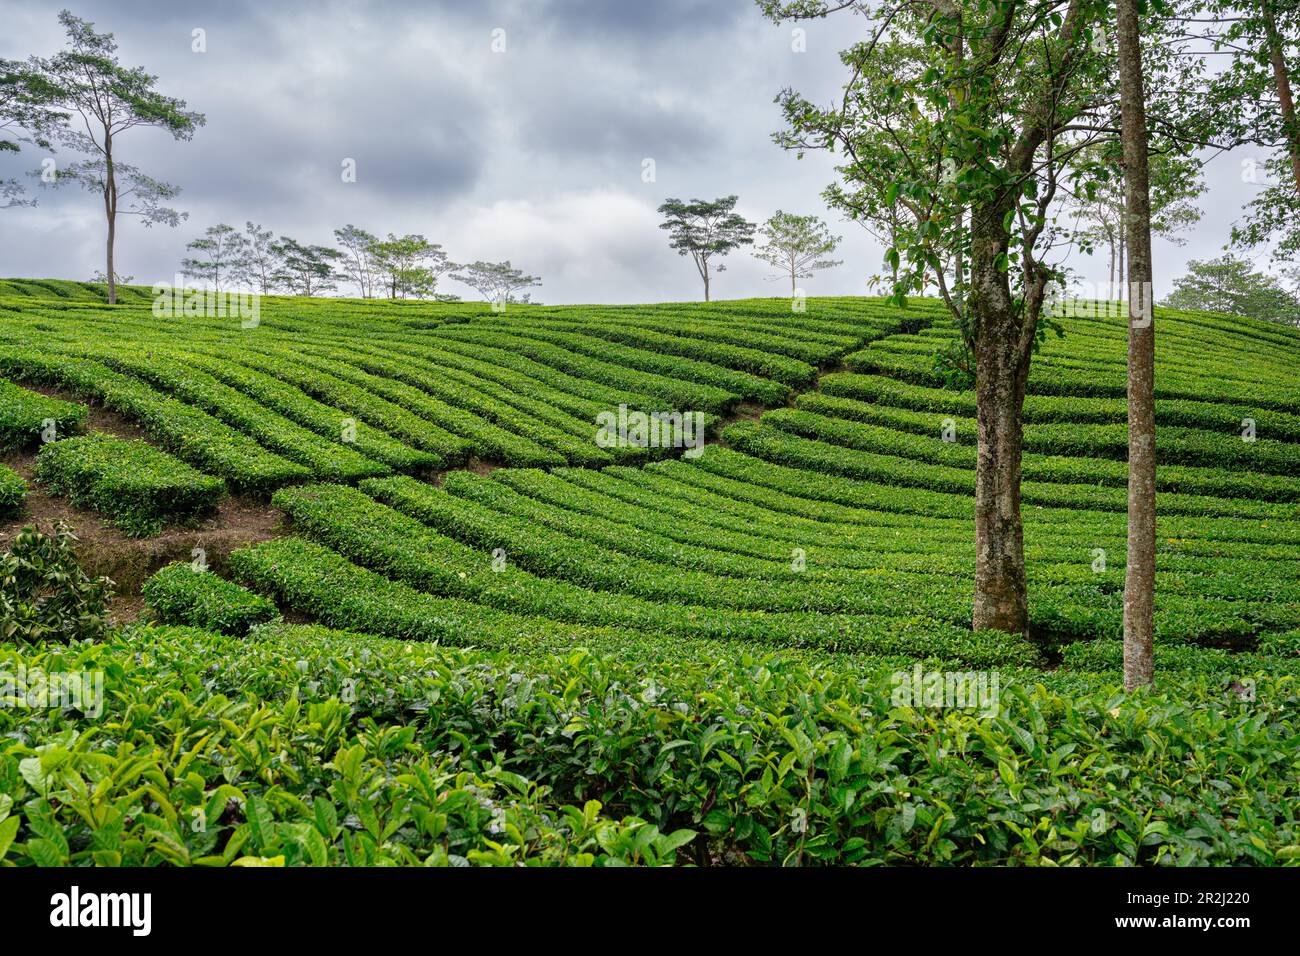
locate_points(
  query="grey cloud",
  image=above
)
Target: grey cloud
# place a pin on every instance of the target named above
(533, 155)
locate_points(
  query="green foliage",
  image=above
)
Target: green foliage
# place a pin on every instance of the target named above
(189, 433)
(704, 229)
(1245, 103)
(298, 779)
(182, 594)
(498, 282)
(796, 245)
(307, 747)
(25, 117)
(136, 486)
(407, 267)
(739, 613)
(88, 83)
(13, 491)
(217, 254)
(25, 415)
(1233, 287)
(44, 594)
(304, 269)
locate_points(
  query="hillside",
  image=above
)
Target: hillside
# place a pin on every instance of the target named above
(410, 506)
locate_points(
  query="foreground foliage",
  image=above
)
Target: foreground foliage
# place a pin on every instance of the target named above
(303, 746)
(610, 654)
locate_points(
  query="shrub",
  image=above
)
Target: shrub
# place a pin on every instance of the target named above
(181, 429)
(13, 491)
(136, 486)
(327, 748)
(178, 594)
(44, 594)
(343, 795)
(25, 414)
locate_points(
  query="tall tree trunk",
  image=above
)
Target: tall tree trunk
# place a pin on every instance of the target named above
(1282, 78)
(112, 281)
(1001, 373)
(705, 273)
(1140, 570)
(110, 212)
(1123, 259)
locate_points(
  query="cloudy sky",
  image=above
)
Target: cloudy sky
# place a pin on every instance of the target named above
(533, 153)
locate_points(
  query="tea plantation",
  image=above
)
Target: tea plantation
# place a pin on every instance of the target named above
(483, 635)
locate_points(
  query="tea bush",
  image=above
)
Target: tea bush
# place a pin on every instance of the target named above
(13, 491)
(26, 415)
(306, 747)
(575, 653)
(133, 484)
(180, 594)
(44, 594)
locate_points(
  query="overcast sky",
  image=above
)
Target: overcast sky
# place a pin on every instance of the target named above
(534, 154)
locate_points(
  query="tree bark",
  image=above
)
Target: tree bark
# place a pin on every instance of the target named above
(1001, 374)
(1282, 78)
(1123, 259)
(110, 211)
(1140, 570)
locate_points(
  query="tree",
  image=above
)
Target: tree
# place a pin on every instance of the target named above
(359, 263)
(410, 266)
(957, 127)
(1175, 182)
(702, 230)
(1140, 566)
(1271, 15)
(25, 117)
(88, 81)
(1253, 100)
(304, 269)
(98, 277)
(1232, 286)
(220, 248)
(258, 259)
(497, 282)
(796, 245)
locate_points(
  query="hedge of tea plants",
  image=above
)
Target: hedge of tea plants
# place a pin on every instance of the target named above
(183, 594)
(27, 417)
(13, 491)
(423, 387)
(134, 485)
(302, 746)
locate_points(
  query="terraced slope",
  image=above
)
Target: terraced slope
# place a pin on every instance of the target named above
(839, 520)
(439, 473)
(421, 388)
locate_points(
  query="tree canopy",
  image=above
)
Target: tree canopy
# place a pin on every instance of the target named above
(796, 245)
(1233, 286)
(703, 229)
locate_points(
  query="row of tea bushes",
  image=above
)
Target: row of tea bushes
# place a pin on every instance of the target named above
(137, 487)
(302, 746)
(27, 417)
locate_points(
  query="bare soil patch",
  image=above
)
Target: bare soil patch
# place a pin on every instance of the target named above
(103, 550)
